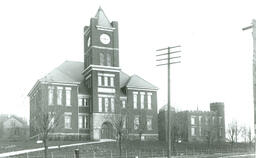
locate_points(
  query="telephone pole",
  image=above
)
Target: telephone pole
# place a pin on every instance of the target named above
(253, 27)
(169, 62)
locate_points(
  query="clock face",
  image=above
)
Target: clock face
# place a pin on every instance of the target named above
(89, 42)
(104, 38)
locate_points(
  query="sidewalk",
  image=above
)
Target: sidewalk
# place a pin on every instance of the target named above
(13, 153)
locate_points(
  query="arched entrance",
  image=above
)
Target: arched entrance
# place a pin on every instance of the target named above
(107, 131)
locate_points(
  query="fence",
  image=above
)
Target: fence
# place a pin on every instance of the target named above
(136, 153)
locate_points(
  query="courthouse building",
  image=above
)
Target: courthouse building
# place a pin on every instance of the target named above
(93, 94)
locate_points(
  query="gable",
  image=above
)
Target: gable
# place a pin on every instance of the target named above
(138, 82)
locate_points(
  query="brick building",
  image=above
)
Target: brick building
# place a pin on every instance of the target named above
(93, 94)
(192, 126)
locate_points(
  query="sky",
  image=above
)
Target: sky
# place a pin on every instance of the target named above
(216, 64)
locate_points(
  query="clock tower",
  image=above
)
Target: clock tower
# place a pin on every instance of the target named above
(102, 73)
(101, 42)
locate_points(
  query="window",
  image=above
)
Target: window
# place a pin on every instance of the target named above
(86, 121)
(111, 81)
(99, 80)
(59, 96)
(51, 118)
(149, 123)
(67, 121)
(101, 59)
(193, 131)
(206, 120)
(80, 121)
(200, 131)
(220, 132)
(149, 101)
(135, 100)
(112, 105)
(193, 120)
(105, 81)
(80, 102)
(100, 104)
(68, 96)
(199, 120)
(213, 120)
(124, 122)
(123, 103)
(136, 122)
(86, 101)
(142, 100)
(108, 59)
(83, 102)
(220, 120)
(51, 123)
(50, 95)
(106, 104)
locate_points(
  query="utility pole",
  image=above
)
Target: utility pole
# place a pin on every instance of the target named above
(253, 27)
(168, 58)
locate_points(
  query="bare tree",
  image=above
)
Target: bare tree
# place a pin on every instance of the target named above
(249, 135)
(46, 121)
(119, 125)
(118, 120)
(244, 133)
(237, 131)
(233, 132)
(142, 126)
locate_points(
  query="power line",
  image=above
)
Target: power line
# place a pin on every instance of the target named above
(169, 63)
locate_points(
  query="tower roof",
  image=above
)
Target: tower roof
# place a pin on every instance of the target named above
(102, 18)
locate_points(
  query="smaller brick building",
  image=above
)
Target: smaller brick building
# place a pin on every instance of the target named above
(192, 126)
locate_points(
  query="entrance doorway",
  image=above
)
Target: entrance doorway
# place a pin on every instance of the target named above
(107, 131)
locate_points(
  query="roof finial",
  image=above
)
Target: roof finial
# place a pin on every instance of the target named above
(100, 8)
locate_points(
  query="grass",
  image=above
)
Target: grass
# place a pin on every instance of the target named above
(129, 147)
(8, 146)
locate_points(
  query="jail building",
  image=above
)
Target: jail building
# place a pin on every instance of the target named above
(194, 126)
(95, 94)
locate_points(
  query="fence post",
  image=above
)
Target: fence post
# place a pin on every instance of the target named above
(93, 154)
(111, 153)
(125, 153)
(27, 155)
(52, 154)
(163, 152)
(76, 153)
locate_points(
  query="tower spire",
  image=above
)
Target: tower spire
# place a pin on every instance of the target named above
(102, 18)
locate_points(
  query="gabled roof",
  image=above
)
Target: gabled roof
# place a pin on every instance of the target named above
(124, 78)
(5, 119)
(69, 71)
(102, 18)
(138, 82)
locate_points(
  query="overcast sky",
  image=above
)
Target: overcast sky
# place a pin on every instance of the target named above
(216, 63)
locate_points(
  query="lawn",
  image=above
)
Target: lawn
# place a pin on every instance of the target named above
(129, 148)
(8, 146)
